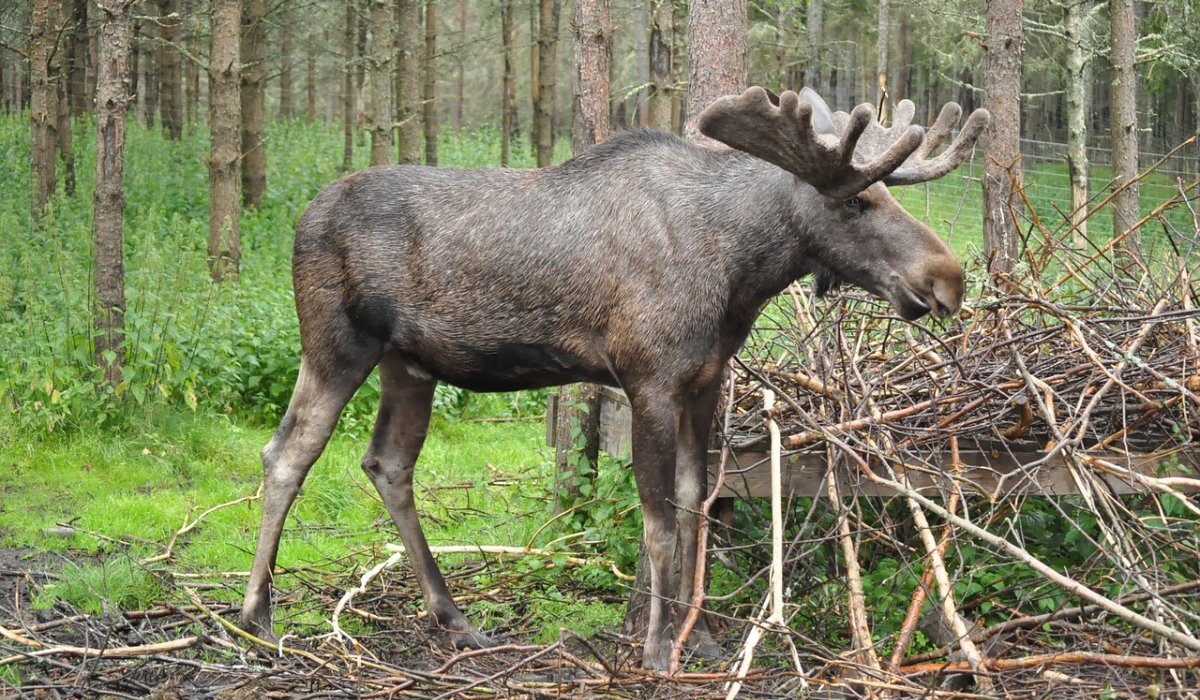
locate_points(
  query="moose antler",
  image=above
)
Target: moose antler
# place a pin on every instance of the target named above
(839, 154)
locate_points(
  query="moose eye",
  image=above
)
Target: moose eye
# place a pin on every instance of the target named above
(854, 204)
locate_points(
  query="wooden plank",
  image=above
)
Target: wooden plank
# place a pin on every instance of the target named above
(995, 473)
(985, 473)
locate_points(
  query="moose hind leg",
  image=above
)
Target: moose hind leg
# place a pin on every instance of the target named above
(654, 436)
(691, 477)
(404, 407)
(316, 403)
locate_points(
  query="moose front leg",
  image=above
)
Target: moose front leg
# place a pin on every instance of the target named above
(655, 419)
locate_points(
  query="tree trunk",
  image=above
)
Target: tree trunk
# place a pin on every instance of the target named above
(814, 72)
(662, 65)
(379, 70)
(171, 100)
(1079, 78)
(460, 70)
(224, 120)
(108, 197)
(429, 90)
(717, 55)
(310, 76)
(79, 59)
(1002, 170)
(43, 103)
(147, 94)
(902, 62)
(61, 68)
(191, 70)
(408, 81)
(1124, 123)
(881, 73)
(641, 65)
(508, 98)
(253, 97)
(543, 108)
(349, 101)
(590, 110)
(286, 109)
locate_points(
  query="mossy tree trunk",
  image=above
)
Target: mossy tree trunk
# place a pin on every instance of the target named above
(224, 119)
(253, 99)
(108, 198)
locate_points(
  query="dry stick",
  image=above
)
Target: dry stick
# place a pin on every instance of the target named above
(775, 619)
(187, 527)
(1068, 657)
(909, 626)
(697, 601)
(349, 596)
(946, 591)
(982, 634)
(1067, 583)
(568, 559)
(91, 652)
(859, 628)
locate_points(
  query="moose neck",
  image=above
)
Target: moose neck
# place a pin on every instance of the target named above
(766, 223)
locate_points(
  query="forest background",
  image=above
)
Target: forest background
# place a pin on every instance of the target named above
(116, 430)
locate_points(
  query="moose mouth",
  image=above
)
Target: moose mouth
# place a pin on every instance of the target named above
(909, 304)
(912, 306)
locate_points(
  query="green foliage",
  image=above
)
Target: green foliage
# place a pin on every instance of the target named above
(97, 588)
(188, 343)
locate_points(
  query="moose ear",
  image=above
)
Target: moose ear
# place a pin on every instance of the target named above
(822, 118)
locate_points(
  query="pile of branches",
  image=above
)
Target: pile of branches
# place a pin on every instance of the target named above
(377, 645)
(1081, 367)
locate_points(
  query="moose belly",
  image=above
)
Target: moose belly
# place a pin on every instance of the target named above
(514, 366)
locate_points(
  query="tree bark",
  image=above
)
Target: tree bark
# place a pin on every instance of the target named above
(429, 90)
(508, 98)
(1124, 124)
(460, 69)
(662, 65)
(641, 22)
(590, 112)
(79, 59)
(108, 197)
(717, 55)
(814, 72)
(253, 98)
(191, 70)
(881, 53)
(147, 94)
(408, 81)
(61, 67)
(1079, 79)
(1002, 170)
(43, 104)
(310, 76)
(286, 92)
(543, 108)
(171, 70)
(224, 119)
(349, 101)
(379, 72)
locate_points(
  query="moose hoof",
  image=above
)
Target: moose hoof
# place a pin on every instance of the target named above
(657, 656)
(702, 645)
(259, 628)
(463, 635)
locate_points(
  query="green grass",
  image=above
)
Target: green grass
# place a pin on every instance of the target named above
(125, 493)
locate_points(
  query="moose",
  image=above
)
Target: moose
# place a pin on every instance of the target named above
(642, 264)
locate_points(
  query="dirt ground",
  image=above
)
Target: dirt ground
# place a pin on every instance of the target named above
(175, 651)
